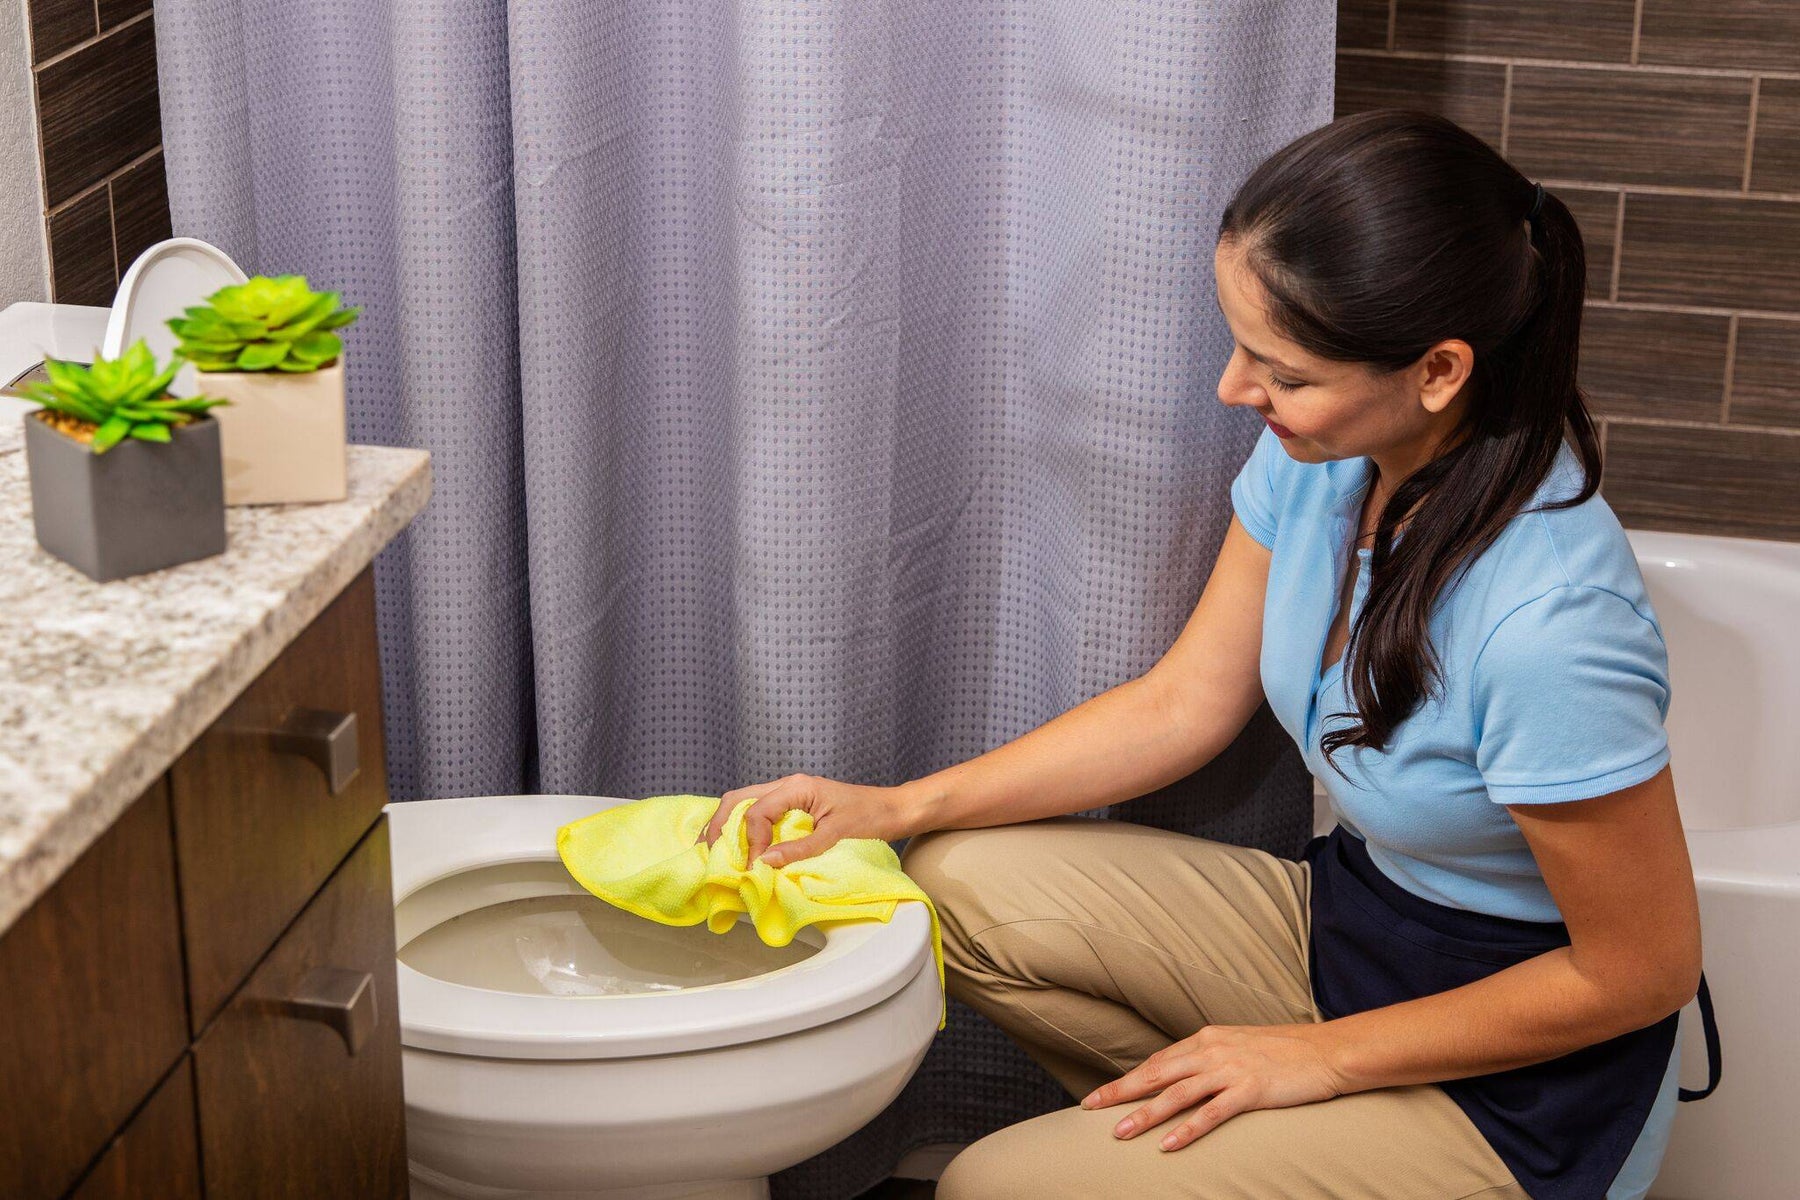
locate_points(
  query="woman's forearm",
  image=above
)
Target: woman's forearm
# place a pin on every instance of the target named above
(1535, 1010)
(1122, 743)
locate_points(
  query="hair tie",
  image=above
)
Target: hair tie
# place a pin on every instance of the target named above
(1537, 202)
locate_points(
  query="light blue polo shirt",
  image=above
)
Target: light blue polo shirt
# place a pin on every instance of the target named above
(1554, 688)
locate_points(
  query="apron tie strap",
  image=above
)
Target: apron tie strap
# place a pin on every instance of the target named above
(1711, 1029)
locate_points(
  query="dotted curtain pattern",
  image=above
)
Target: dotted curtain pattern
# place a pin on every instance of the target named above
(811, 385)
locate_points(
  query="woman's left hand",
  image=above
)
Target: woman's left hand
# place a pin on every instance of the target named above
(1223, 1070)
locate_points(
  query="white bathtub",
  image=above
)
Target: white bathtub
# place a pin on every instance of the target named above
(1730, 609)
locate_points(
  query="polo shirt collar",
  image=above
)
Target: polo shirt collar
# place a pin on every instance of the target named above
(1348, 477)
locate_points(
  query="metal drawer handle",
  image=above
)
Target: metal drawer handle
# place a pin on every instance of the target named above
(344, 1000)
(328, 739)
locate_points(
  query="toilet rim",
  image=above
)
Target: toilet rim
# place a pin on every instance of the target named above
(860, 963)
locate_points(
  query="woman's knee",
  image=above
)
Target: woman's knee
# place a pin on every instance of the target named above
(985, 1170)
(1067, 1154)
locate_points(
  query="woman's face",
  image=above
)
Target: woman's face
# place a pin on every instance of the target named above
(1333, 410)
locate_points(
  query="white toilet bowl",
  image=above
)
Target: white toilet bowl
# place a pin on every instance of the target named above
(518, 1088)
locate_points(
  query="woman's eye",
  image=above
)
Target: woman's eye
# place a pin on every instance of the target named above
(1283, 384)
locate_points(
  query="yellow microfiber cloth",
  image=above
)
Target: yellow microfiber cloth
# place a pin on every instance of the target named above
(644, 857)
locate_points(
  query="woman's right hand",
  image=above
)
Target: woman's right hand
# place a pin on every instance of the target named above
(839, 810)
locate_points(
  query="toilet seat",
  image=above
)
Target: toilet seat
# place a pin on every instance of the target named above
(859, 964)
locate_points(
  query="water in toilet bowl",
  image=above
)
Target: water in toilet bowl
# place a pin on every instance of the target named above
(578, 945)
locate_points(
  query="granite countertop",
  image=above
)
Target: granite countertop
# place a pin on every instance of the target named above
(102, 685)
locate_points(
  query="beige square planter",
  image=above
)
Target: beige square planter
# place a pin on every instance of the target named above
(282, 435)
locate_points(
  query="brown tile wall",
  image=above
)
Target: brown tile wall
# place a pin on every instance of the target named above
(1671, 129)
(100, 134)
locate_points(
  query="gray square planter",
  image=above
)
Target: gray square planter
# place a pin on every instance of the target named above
(139, 507)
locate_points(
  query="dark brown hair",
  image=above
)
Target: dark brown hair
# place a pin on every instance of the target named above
(1374, 238)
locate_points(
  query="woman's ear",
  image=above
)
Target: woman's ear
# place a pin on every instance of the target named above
(1443, 370)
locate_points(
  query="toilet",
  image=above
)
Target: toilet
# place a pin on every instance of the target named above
(555, 1046)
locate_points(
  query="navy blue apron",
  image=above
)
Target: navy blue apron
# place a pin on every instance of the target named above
(1563, 1127)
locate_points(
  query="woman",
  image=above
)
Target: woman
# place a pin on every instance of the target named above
(1470, 987)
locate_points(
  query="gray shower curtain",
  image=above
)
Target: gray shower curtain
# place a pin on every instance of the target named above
(812, 385)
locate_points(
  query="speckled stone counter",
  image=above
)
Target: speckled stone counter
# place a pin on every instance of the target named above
(102, 686)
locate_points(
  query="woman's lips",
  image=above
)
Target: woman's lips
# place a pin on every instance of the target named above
(1281, 431)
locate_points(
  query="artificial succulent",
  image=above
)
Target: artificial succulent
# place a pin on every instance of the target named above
(263, 324)
(120, 397)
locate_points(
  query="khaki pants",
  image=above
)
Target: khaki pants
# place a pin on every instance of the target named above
(1095, 943)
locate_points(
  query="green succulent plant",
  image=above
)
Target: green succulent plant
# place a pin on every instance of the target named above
(263, 324)
(123, 397)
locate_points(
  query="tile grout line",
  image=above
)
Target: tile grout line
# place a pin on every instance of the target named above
(1695, 310)
(1782, 431)
(104, 180)
(78, 47)
(1750, 130)
(1637, 29)
(1571, 64)
(1505, 108)
(1731, 332)
(1393, 21)
(112, 225)
(37, 146)
(1618, 245)
(1673, 189)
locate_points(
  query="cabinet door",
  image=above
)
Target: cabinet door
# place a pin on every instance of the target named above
(299, 1075)
(91, 1006)
(260, 820)
(158, 1154)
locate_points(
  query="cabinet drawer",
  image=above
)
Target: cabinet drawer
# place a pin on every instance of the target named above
(287, 1109)
(158, 1154)
(91, 1008)
(259, 820)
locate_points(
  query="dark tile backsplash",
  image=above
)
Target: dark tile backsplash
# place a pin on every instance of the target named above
(114, 12)
(1628, 126)
(1597, 212)
(100, 140)
(140, 207)
(82, 269)
(1740, 481)
(1763, 388)
(1775, 163)
(1722, 251)
(97, 109)
(1671, 129)
(1736, 35)
(1680, 116)
(1470, 93)
(1362, 23)
(57, 25)
(1590, 30)
(1680, 381)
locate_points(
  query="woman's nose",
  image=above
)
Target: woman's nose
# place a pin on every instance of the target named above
(1236, 389)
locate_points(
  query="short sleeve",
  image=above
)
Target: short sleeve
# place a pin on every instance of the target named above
(1569, 694)
(1253, 493)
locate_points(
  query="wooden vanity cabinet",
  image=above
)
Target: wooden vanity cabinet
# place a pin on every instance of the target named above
(204, 1003)
(335, 1085)
(259, 819)
(92, 1012)
(157, 1154)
